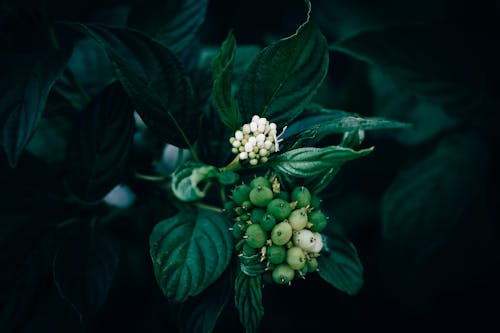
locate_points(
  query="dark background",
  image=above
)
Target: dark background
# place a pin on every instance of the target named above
(455, 286)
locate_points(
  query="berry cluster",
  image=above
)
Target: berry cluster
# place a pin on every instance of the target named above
(255, 141)
(278, 232)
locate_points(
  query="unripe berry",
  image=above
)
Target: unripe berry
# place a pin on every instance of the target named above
(304, 239)
(318, 220)
(256, 236)
(298, 219)
(260, 196)
(315, 201)
(276, 254)
(240, 193)
(281, 233)
(302, 195)
(247, 204)
(283, 195)
(261, 180)
(295, 257)
(257, 215)
(312, 265)
(268, 222)
(283, 274)
(238, 229)
(279, 208)
(318, 245)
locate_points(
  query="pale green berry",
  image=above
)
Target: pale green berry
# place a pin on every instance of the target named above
(260, 196)
(295, 257)
(281, 233)
(298, 219)
(255, 236)
(283, 274)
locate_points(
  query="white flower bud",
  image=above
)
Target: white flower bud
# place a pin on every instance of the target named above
(242, 148)
(264, 159)
(268, 144)
(261, 128)
(254, 161)
(252, 154)
(231, 140)
(234, 150)
(238, 135)
(243, 155)
(255, 119)
(260, 138)
(253, 127)
(252, 140)
(246, 129)
(236, 143)
(272, 126)
(260, 144)
(248, 147)
(262, 121)
(263, 152)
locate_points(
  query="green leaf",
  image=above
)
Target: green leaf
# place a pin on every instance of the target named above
(310, 161)
(248, 300)
(252, 265)
(186, 180)
(228, 177)
(426, 199)
(190, 251)
(430, 62)
(284, 76)
(324, 122)
(25, 86)
(339, 264)
(222, 96)
(84, 267)
(174, 24)
(98, 154)
(200, 313)
(153, 78)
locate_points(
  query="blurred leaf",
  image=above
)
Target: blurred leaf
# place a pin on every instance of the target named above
(222, 69)
(98, 154)
(339, 264)
(391, 101)
(189, 252)
(429, 62)
(311, 161)
(228, 177)
(84, 267)
(172, 23)
(25, 86)
(284, 76)
(200, 313)
(186, 181)
(154, 79)
(425, 201)
(248, 300)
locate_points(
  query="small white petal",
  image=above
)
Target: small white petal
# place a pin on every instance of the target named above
(238, 135)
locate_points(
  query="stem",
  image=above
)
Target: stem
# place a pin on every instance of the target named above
(209, 207)
(232, 166)
(150, 178)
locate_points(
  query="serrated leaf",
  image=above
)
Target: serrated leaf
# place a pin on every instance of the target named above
(311, 161)
(190, 251)
(339, 264)
(98, 154)
(84, 267)
(222, 95)
(200, 314)
(153, 78)
(323, 122)
(24, 91)
(445, 75)
(188, 178)
(426, 200)
(284, 76)
(248, 300)
(175, 24)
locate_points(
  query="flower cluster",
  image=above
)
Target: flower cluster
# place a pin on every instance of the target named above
(255, 141)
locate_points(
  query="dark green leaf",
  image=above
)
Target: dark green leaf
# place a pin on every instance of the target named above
(445, 76)
(340, 265)
(172, 23)
(188, 178)
(200, 313)
(190, 251)
(252, 265)
(248, 300)
(222, 96)
(154, 79)
(425, 201)
(324, 122)
(284, 76)
(228, 177)
(84, 267)
(310, 161)
(98, 155)
(24, 90)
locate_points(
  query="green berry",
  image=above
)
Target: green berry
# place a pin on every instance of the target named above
(295, 257)
(315, 201)
(298, 219)
(245, 217)
(276, 254)
(260, 181)
(238, 230)
(260, 196)
(302, 195)
(240, 193)
(246, 205)
(283, 195)
(257, 215)
(281, 233)
(312, 265)
(318, 220)
(283, 274)
(279, 208)
(256, 236)
(268, 222)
